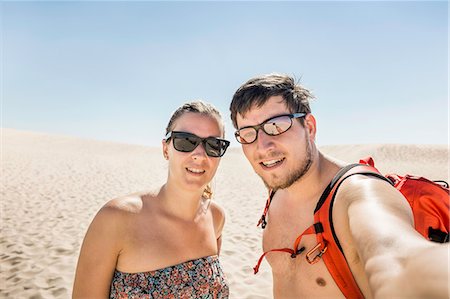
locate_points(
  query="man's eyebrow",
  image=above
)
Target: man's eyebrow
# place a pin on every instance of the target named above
(269, 118)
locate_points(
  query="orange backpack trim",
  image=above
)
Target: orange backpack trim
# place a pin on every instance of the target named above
(334, 258)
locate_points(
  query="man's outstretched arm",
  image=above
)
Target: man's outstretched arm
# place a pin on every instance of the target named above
(398, 261)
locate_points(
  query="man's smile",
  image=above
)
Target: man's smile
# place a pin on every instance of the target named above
(270, 164)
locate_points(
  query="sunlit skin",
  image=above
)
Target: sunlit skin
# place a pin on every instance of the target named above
(294, 155)
(179, 162)
(153, 230)
(373, 249)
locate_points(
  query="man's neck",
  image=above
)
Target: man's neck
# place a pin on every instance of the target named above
(315, 180)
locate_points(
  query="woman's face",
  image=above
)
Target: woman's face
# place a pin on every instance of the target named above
(193, 170)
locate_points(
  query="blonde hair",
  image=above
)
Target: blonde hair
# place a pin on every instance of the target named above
(197, 106)
(207, 192)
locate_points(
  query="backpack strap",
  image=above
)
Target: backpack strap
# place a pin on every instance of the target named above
(334, 258)
(292, 251)
(262, 221)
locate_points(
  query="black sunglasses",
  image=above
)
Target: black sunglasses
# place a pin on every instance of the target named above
(273, 126)
(187, 142)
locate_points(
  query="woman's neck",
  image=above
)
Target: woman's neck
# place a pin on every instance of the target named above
(180, 203)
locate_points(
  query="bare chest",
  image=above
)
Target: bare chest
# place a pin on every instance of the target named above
(295, 277)
(151, 246)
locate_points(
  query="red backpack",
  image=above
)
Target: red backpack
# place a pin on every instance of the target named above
(429, 202)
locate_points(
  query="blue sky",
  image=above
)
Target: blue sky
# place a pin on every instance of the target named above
(116, 70)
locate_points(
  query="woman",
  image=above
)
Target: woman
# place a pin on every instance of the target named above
(166, 244)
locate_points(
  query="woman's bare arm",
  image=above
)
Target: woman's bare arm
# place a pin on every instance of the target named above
(219, 221)
(98, 255)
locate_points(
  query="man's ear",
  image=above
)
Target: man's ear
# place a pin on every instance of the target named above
(165, 149)
(310, 125)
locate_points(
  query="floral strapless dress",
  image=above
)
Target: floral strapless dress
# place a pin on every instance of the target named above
(200, 278)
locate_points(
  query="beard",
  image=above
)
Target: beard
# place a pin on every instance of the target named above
(295, 175)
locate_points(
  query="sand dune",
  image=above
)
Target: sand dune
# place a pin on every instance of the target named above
(52, 186)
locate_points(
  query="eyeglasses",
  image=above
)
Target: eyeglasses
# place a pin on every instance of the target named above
(273, 126)
(186, 142)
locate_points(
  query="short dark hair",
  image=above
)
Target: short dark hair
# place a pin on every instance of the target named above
(256, 92)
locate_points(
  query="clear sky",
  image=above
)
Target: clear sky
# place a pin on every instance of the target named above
(117, 70)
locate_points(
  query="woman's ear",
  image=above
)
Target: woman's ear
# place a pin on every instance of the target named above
(311, 126)
(165, 149)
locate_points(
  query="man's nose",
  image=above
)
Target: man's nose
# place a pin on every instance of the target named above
(264, 141)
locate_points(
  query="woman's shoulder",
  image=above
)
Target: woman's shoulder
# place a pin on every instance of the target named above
(127, 205)
(218, 214)
(217, 210)
(117, 218)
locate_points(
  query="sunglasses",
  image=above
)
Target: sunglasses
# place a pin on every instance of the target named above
(186, 142)
(273, 126)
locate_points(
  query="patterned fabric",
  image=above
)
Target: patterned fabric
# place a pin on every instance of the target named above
(200, 278)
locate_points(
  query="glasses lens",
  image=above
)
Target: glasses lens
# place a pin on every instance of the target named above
(246, 135)
(185, 143)
(215, 147)
(277, 125)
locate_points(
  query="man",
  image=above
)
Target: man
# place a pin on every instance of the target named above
(372, 221)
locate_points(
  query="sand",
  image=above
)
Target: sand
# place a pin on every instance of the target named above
(52, 186)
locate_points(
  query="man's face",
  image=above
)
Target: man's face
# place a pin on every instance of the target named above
(283, 159)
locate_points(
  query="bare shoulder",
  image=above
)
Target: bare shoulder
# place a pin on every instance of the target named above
(360, 188)
(374, 210)
(105, 240)
(217, 211)
(123, 205)
(120, 208)
(218, 214)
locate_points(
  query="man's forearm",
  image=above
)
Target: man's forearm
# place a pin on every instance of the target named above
(418, 276)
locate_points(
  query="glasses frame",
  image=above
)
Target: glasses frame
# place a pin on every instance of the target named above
(174, 134)
(261, 126)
